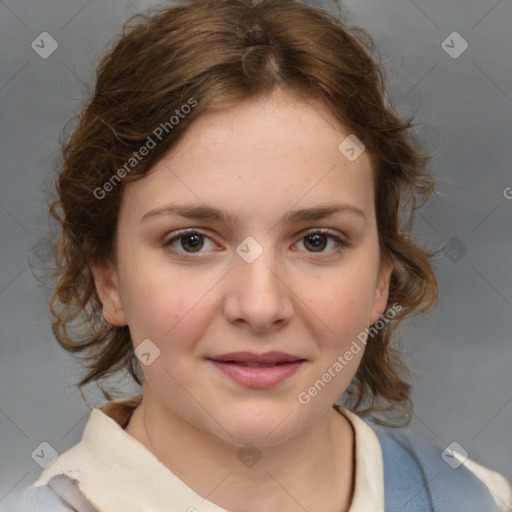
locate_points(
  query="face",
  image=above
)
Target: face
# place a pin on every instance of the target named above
(224, 248)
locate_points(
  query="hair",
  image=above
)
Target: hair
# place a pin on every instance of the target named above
(213, 54)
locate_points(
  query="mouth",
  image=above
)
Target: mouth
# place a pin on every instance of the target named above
(250, 364)
(257, 370)
(254, 359)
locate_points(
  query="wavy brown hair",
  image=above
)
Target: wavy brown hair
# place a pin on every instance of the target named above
(220, 52)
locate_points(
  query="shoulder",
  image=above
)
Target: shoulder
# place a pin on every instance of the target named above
(419, 471)
(61, 494)
(40, 499)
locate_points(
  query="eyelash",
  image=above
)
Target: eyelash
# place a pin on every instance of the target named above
(342, 244)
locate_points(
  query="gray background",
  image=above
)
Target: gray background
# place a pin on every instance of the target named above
(461, 355)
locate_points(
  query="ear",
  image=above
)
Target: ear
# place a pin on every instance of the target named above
(106, 281)
(382, 289)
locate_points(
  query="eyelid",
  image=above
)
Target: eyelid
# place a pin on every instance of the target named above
(183, 232)
(323, 231)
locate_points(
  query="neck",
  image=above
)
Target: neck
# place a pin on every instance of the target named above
(295, 475)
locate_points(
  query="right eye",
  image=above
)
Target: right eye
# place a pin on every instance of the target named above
(190, 241)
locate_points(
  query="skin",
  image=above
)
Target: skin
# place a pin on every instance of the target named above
(257, 160)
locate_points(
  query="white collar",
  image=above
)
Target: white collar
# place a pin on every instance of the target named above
(116, 472)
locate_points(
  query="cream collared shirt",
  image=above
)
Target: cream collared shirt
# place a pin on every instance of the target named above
(118, 473)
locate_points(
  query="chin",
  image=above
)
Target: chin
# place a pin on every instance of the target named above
(257, 426)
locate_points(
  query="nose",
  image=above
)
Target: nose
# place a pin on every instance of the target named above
(258, 296)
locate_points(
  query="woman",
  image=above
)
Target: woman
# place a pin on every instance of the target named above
(231, 236)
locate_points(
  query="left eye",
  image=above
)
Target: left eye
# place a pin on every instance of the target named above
(318, 240)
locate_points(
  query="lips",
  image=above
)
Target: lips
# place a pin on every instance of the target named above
(258, 370)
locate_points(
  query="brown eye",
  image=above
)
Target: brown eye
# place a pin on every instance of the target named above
(317, 242)
(189, 242)
(193, 242)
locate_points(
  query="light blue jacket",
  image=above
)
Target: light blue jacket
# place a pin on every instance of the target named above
(417, 479)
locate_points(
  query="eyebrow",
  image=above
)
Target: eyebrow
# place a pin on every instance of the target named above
(203, 212)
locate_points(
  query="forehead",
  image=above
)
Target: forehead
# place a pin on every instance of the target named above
(267, 151)
(263, 124)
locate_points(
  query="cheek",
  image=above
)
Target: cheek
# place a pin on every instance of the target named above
(339, 316)
(167, 306)
(341, 307)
